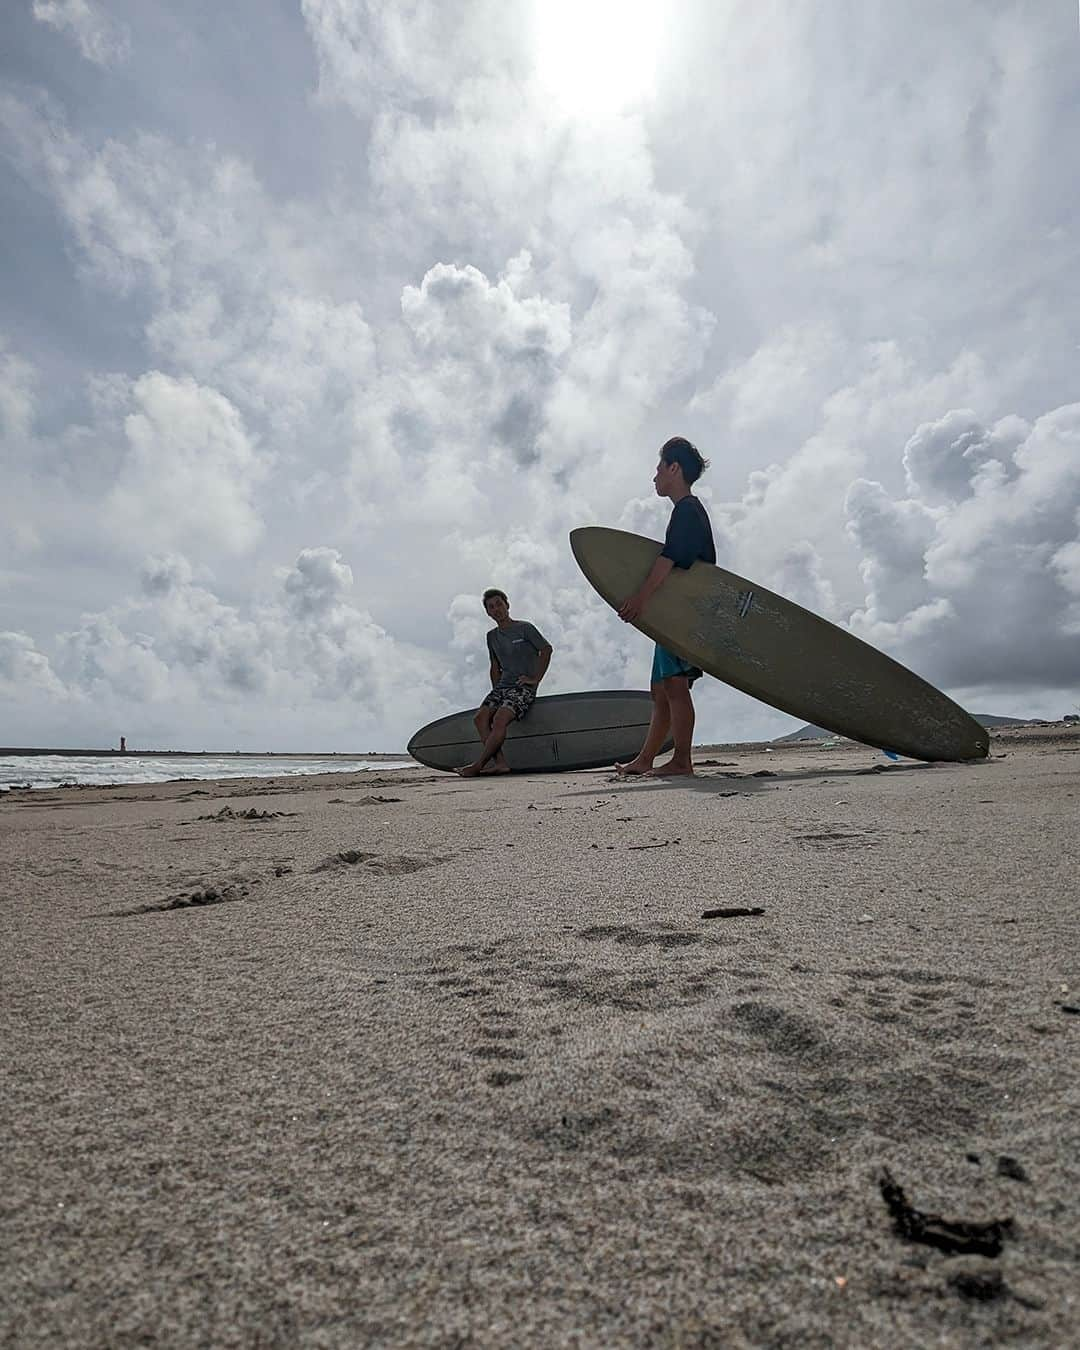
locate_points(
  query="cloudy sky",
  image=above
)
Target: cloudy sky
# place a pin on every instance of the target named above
(319, 316)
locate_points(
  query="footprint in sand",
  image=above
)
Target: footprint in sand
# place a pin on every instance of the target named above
(498, 1026)
(638, 937)
(201, 894)
(495, 1029)
(836, 839)
(380, 864)
(935, 1006)
(225, 893)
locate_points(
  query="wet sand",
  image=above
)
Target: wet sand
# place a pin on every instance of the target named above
(406, 1060)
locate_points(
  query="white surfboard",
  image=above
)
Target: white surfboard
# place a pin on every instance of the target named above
(779, 652)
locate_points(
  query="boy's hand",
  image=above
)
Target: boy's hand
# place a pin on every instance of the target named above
(631, 609)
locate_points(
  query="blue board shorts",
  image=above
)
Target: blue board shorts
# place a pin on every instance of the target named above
(665, 664)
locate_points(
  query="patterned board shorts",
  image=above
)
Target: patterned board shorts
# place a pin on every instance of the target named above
(518, 698)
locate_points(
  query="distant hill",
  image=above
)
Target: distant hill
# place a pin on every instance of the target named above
(811, 733)
(989, 720)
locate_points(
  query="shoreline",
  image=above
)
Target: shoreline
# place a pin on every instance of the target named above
(13, 752)
(1001, 740)
(1020, 733)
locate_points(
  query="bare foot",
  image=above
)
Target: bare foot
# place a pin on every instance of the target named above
(495, 768)
(469, 771)
(633, 769)
(672, 770)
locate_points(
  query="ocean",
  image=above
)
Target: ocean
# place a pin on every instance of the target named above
(50, 771)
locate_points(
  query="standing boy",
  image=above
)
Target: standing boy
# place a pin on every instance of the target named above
(520, 656)
(689, 537)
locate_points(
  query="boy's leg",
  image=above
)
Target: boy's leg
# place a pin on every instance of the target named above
(493, 743)
(681, 706)
(659, 726)
(482, 721)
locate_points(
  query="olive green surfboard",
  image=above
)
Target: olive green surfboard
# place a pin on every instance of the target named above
(560, 732)
(780, 653)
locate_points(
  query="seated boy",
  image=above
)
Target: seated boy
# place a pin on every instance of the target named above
(520, 656)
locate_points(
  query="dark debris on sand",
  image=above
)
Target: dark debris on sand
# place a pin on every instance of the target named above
(227, 813)
(954, 1236)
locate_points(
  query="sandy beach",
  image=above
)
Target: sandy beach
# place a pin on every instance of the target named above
(399, 1059)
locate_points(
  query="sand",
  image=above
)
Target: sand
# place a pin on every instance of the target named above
(409, 1060)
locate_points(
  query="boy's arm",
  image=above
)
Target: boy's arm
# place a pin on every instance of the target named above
(542, 663)
(631, 609)
(496, 669)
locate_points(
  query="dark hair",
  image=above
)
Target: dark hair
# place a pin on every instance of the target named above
(492, 592)
(679, 451)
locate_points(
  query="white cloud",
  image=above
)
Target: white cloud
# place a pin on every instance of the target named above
(317, 584)
(800, 502)
(17, 380)
(892, 538)
(252, 296)
(944, 457)
(467, 145)
(101, 38)
(492, 352)
(374, 53)
(981, 586)
(339, 648)
(1066, 563)
(190, 471)
(25, 672)
(18, 409)
(102, 662)
(166, 574)
(305, 642)
(803, 360)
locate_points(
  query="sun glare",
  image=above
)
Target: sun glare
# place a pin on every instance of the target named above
(597, 56)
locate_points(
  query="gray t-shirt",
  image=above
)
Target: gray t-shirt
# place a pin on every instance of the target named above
(515, 649)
